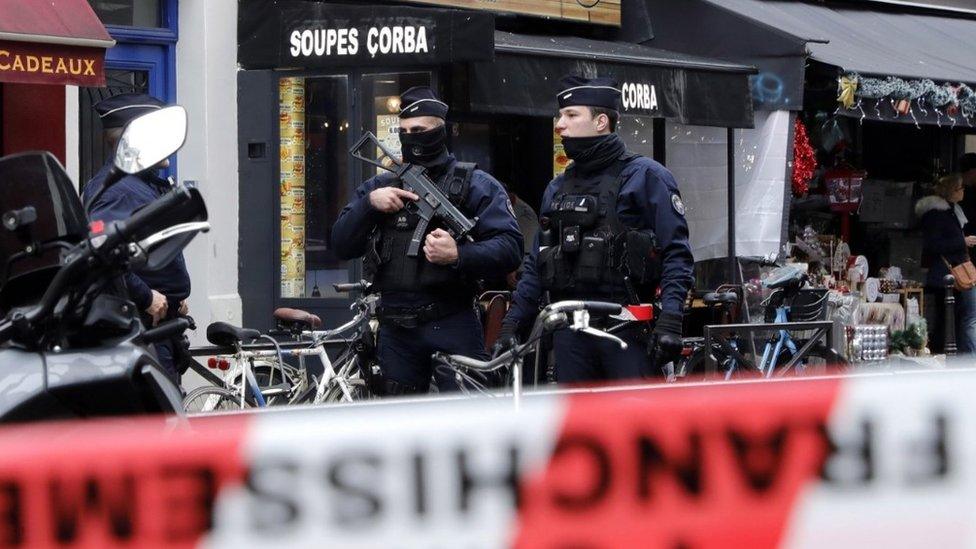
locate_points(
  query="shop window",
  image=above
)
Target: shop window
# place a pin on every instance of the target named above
(637, 132)
(129, 13)
(314, 138)
(381, 97)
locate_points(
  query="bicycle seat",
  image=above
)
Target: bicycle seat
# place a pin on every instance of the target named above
(291, 317)
(715, 298)
(226, 335)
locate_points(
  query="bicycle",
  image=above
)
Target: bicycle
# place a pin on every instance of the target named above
(553, 317)
(342, 380)
(790, 305)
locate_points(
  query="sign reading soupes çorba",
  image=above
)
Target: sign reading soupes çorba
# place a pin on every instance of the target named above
(36, 63)
(318, 35)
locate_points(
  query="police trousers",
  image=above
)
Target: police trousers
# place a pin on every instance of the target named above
(582, 358)
(404, 353)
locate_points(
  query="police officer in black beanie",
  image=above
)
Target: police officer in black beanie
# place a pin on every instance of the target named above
(427, 302)
(159, 294)
(613, 229)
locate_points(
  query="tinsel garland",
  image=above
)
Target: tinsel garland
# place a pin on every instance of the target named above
(926, 94)
(804, 159)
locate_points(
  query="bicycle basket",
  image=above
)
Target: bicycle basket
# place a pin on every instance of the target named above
(808, 305)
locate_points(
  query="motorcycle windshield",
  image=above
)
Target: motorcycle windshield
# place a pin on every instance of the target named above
(36, 179)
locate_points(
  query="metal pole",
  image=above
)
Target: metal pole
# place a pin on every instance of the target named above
(950, 315)
(730, 181)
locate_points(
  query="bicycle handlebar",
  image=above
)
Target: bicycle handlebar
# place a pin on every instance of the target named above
(348, 287)
(560, 307)
(595, 307)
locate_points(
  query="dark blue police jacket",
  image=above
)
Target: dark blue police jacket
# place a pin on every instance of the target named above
(120, 201)
(496, 250)
(645, 201)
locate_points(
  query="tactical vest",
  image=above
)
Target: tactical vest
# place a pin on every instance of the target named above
(387, 265)
(585, 252)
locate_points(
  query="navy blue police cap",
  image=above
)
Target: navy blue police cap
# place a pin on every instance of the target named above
(421, 101)
(118, 110)
(589, 92)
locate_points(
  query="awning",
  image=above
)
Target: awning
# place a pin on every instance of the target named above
(871, 41)
(50, 42)
(299, 34)
(778, 36)
(524, 78)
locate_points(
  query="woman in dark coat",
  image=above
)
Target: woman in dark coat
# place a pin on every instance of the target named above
(941, 219)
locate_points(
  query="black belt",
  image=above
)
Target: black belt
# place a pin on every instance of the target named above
(411, 317)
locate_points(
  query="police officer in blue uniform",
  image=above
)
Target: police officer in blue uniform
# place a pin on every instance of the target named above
(162, 294)
(427, 302)
(613, 230)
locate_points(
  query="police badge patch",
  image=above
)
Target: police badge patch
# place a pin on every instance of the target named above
(677, 204)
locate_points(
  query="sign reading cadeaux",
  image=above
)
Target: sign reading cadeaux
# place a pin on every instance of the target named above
(35, 63)
(329, 35)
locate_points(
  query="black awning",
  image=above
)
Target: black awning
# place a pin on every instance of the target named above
(778, 36)
(292, 33)
(524, 77)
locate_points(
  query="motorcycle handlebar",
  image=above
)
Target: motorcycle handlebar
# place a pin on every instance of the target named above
(119, 233)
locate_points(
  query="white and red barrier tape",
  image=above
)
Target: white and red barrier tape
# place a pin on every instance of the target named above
(884, 461)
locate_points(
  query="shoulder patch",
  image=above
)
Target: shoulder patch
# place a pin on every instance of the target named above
(677, 204)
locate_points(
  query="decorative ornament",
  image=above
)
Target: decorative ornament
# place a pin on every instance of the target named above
(947, 99)
(804, 159)
(847, 90)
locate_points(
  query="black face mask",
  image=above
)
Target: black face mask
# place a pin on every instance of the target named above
(425, 148)
(593, 153)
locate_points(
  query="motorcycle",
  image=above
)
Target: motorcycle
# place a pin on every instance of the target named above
(71, 343)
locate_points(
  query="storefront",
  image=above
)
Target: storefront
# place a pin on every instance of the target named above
(317, 75)
(881, 104)
(44, 48)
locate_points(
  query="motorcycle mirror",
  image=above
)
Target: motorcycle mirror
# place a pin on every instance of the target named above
(161, 248)
(145, 142)
(149, 139)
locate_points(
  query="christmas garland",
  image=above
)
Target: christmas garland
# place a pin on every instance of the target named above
(804, 159)
(906, 94)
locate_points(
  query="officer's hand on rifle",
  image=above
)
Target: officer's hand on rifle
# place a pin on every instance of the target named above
(666, 339)
(390, 199)
(506, 339)
(441, 248)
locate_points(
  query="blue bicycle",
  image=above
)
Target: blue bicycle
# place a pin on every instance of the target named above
(783, 352)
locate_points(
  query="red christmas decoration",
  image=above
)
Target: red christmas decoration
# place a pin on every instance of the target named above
(804, 159)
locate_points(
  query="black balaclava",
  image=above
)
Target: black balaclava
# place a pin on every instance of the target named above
(427, 148)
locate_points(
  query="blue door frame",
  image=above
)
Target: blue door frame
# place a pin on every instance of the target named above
(152, 50)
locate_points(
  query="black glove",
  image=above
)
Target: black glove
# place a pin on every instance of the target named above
(666, 339)
(506, 339)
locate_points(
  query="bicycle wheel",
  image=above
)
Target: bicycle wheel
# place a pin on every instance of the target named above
(358, 389)
(270, 376)
(692, 368)
(819, 360)
(211, 398)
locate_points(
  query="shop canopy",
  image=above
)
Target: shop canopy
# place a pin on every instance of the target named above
(524, 79)
(59, 42)
(778, 36)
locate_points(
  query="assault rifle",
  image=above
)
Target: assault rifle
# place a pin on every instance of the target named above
(432, 203)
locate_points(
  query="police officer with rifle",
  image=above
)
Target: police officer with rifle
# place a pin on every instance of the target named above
(613, 229)
(427, 230)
